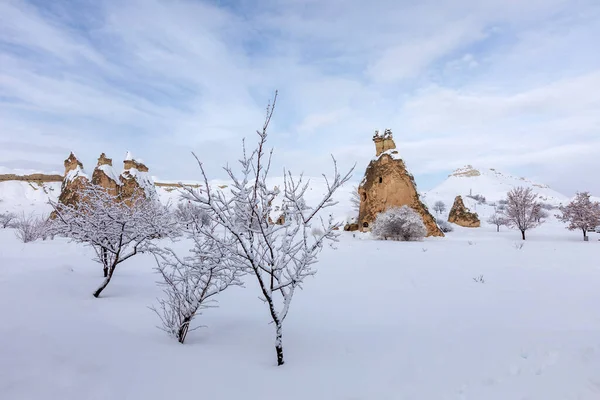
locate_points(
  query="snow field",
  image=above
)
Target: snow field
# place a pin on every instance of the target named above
(380, 320)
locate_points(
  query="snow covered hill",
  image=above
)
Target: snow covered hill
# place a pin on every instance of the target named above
(491, 184)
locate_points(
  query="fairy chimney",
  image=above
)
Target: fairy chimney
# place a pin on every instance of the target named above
(135, 179)
(461, 215)
(105, 176)
(74, 181)
(387, 184)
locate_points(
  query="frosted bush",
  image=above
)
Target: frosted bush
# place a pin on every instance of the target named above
(7, 220)
(445, 226)
(29, 228)
(401, 223)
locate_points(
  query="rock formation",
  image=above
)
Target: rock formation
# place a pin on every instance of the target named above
(75, 179)
(135, 179)
(388, 184)
(105, 176)
(460, 215)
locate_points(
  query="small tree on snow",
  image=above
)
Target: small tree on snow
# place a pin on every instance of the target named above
(522, 210)
(280, 257)
(581, 213)
(497, 219)
(439, 207)
(399, 223)
(115, 230)
(190, 282)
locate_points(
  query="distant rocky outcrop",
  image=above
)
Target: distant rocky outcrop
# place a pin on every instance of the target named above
(460, 215)
(134, 180)
(74, 181)
(34, 178)
(388, 184)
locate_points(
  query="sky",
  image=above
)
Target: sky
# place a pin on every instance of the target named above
(506, 84)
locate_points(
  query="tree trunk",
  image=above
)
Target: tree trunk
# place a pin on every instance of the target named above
(111, 271)
(584, 234)
(279, 344)
(523, 234)
(105, 270)
(183, 329)
(497, 228)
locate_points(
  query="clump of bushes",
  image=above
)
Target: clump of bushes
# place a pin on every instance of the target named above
(399, 223)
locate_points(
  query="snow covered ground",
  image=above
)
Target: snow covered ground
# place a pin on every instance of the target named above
(380, 320)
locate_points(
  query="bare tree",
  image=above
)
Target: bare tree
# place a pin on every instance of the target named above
(280, 257)
(115, 229)
(439, 207)
(497, 219)
(581, 213)
(399, 223)
(7, 220)
(522, 209)
(189, 283)
(355, 199)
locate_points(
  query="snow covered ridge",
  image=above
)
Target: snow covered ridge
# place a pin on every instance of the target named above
(491, 184)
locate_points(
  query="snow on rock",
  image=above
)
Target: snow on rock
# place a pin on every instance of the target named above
(111, 173)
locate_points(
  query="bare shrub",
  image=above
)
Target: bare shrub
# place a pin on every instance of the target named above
(29, 228)
(8, 220)
(479, 279)
(190, 216)
(399, 223)
(445, 226)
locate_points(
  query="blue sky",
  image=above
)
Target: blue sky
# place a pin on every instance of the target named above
(505, 84)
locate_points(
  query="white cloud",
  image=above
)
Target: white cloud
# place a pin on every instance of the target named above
(496, 83)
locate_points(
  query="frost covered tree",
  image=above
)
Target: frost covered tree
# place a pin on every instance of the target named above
(189, 283)
(522, 210)
(581, 213)
(439, 207)
(116, 230)
(279, 256)
(399, 223)
(497, 219)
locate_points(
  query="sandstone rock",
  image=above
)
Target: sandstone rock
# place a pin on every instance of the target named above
(75, 179)
(351, 227)
(383, 142)
(105, 176)
(388, 184)
(135, 180)
(460, 215)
